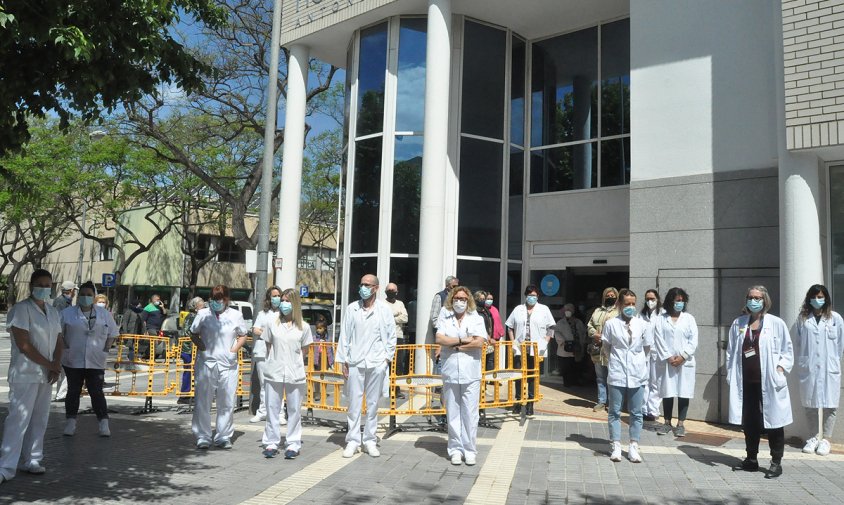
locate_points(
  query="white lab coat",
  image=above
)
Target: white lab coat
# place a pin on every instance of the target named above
(672, 339)
(540, 320)
(628, 364)
(774, 350)
(817, 348)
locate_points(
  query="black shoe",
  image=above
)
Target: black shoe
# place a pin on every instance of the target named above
(774, 471)
(517, 408)
(290, 454)
(748, 465)
(401, 396)
(183, 400)
(649, 418)
(529, 409)
(270, 453)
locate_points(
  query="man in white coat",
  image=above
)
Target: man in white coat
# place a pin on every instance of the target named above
(366, 346)
(759, 354)
(33, 369)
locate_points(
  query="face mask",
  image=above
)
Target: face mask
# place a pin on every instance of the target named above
(531, 300)
(101, 304)
(286, 308)
(651, 304)
(85, 301)
(217, 306)
(391, 294)
(488, 303)
(629, 311)
(568, 314)
(42, 294)
(365, 292)
(679, 306)
(275, 301)
(755, 306)
(610, 302)
(459, 306)
(818, 303)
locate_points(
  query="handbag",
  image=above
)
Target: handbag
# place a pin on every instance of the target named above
(593, 349)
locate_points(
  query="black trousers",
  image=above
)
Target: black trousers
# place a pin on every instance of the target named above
(668, 408)
(531, 363)
(753, 425)
(93, 380)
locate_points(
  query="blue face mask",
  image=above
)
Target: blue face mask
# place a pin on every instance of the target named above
(217, 306)
(85, 301)
(365, 292)
(629, 311)
(679, 306)
(755, 306)
(286, 308)
(275, 301)
(531, 300)
(488, 303)
(42, 294)
(817, 303)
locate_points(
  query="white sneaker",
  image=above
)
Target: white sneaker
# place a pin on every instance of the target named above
(70, 427)
(350, 450)
(35, 469)
(104, 431)
(471, 459)
(372, 449)
(616, 451)
(257, 418)
(282, 420)
(456, 458)
(823, 448)
(633, 453)
(811, 445)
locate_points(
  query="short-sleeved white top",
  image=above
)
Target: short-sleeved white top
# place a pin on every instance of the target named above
(539, 321)
(44, 328)
(85, 337)
(219, 332)
(264, 319)
(285, 361)
(461, 367)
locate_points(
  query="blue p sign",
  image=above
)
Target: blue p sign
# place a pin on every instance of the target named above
(304, 291)
(109, 280)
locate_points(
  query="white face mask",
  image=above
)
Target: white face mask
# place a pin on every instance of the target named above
(459, 306)
(101, 304)
(651, 304)
(568, 314)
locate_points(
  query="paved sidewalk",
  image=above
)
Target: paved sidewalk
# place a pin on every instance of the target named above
(560, 456)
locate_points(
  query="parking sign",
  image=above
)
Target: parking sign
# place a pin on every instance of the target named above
(109, 280)
(304, 292)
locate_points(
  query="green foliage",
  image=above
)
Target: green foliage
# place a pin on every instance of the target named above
(85, 57)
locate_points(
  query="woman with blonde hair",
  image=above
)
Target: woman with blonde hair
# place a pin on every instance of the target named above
(287, 338)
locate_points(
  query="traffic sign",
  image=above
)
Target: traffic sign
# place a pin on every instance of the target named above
(304, 292)
(277, 263)
(109, 280)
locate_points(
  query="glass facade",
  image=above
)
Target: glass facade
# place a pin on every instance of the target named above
(836, 229)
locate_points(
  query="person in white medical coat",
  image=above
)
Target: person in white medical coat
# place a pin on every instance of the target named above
(650, 310)
(219, 332)
(759, 354)
(272, 300)
(287, 338)
(529, 322)
(818, 345)
(366, 346)
(34, 366)
(627, 339)
(675, 343)
(461, 334)
(88, 331)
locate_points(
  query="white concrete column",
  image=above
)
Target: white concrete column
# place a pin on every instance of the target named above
(291, 171)
(434, 166)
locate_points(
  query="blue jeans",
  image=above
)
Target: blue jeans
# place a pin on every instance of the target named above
(601, 378)
(635, 397)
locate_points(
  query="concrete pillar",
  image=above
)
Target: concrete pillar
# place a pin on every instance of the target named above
(434, 166)
(291, 171)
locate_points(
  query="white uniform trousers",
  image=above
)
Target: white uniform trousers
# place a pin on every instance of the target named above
(224, 383)
(295, 393)
(360, 381)
(461, 407)
(23, 431)
(652, 399)
(61, 394)
(258, 364)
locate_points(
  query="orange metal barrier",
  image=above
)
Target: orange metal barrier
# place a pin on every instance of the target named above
(144, 369)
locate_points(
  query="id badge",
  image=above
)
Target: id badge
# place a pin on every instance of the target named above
(750, 353)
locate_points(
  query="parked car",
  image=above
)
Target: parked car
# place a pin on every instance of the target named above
(311, 312)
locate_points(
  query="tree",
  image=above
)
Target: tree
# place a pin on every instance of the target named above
(77, 57)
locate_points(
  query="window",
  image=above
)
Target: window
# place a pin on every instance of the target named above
(107, 249)
(836, 228)
(366, 195)
(203, 246)
(316, 258)
(580, 110)
(229, 251)
(371, 75)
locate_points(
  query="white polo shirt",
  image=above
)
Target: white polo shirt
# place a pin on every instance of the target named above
(85, 337)
(285, 362)
(461, 367)
(628, 364)
(219, 332)
(530, 328)
(44, 328)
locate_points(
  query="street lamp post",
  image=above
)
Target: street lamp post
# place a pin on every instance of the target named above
(94, 136)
